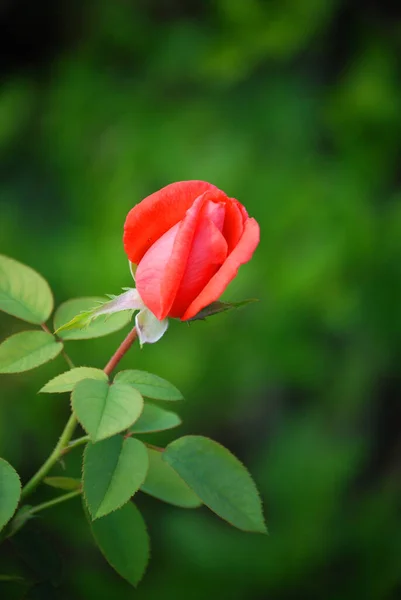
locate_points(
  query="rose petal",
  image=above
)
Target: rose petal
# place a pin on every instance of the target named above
(160, 211)
(242, 209)
(150, 272)
(233, 224)
(208, 253)
(160, 272)
(215, 212)
(241, 254)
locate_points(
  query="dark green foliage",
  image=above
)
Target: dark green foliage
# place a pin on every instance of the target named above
(294, 109)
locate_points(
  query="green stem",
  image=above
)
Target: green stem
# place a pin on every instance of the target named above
(58, 500)
(53, 458)
(67, 359)
(75, 443)
(63, 352)
(64, 441)
(121, 351)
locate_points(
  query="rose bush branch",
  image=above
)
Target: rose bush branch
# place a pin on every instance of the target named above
(121, 351)
(52, 459)
(72, 422)
(184, 245)
(63, 440)
(75, 444)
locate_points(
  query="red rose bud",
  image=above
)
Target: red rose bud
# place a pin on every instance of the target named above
(189, 240)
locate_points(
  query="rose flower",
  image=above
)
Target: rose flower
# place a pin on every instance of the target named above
(188, 241)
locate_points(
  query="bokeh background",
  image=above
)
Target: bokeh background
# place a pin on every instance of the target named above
(294, 108)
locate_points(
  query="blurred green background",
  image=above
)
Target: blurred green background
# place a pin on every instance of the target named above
(294, 108)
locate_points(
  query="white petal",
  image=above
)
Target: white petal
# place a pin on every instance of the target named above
(149, 328)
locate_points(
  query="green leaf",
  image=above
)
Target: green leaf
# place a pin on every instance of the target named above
(113, 471)
(66, 381)
(217, 307)
(63, 483)
(27, 350)
(164, 483)
(104, 410)
(23, 292)
(150, 386)
(103, 325)
(124, 542)
(10, 491)
(154, 418)
(219, 479)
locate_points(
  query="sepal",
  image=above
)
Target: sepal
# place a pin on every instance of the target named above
(129, 300)
(149, 328)
(217, 307)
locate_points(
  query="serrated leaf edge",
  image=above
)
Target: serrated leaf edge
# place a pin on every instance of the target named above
(265, 531)
(36, 322)
(56, 341)
(19, 498)
(94, 441)
(97, 516)
(149, 553)
(41, 391)
(147, 373)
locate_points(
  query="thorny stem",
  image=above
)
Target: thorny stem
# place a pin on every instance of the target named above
(64, 441)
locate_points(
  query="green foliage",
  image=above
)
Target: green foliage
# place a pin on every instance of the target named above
(123, 540)
(39, 554)
(77, 310)
(10, 490)
(104, 410)
(150, 386)
(219, 479)
(63, 483)
(164, 483)
(27, 350)
(293, 108)
(155, 418)
(113, 470)
(65, 382)
(23, 292)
